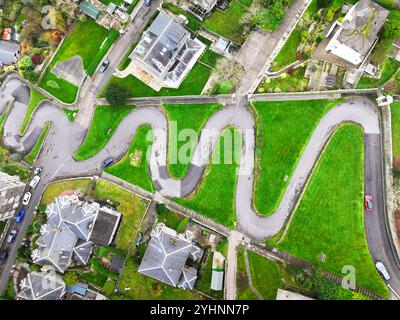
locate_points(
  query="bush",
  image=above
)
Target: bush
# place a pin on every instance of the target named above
(70, 278)
(116, 94)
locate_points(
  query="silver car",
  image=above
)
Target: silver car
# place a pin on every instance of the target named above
(11, 236)
(382, 270)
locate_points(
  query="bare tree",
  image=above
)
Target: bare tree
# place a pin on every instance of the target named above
(228, 70)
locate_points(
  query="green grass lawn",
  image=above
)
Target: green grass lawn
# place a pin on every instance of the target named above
(210, 58)
(193, 84)
(227, 23)
(35, 98)
(132, 208)
(389, 69)
(185, 116)
(395, 110)
(54, 189)
(31, 156)
(242, 285)
(203, 281)
(85, 40)
(283, 131)
(215, 196)
(105, 121)
(170, 218)
(330, 217)
(59, 88)
(288, 53)
(142, 287)
(133, 166)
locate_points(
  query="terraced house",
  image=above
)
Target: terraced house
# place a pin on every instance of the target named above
(11, 189)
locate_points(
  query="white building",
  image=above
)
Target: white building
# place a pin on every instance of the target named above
(354, 38)
(11, 190)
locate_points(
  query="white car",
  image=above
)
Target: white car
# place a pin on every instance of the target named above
(34, 181)
(382, 270)
(26, 198)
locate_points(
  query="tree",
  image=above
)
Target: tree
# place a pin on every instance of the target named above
(324, 3)
(117, 95)
(70, 278)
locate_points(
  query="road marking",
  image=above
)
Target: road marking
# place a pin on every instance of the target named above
(394, 292)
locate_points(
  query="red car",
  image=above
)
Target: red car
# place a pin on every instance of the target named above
(368, 202)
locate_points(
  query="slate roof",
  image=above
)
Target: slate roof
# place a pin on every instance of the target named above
(166, 256)
(359, 30)
(68, 220)
(160, 44)
(117, 263)
(361, 27)
(188, 278)
(42, 286)
(9, 52)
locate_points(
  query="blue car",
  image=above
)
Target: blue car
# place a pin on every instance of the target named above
(20, 216)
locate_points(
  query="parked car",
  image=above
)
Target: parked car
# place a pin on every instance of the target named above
(38, 170)
(26, 198)
(20, 216)
(3, 256)
(107, 162)
(382, 270)
(11, 236)
(34, 181)
(104, 65)
(368, 202)
(147, 2)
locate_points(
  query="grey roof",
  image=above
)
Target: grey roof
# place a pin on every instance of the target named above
(89, 9)
(217, 279)
(166, 255)
(188, 278)
(68, 219)
(83, 250)
(105, 226)
(361, 26)
(117, 263)
(42, 286)
(9, 52)
(161, 43)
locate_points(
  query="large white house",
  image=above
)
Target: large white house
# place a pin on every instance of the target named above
(354, 38)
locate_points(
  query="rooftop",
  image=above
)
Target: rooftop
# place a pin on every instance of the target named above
(166, 256)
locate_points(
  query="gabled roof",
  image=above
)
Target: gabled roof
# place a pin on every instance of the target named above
(68, 220)
(42, 286)
(166, 255)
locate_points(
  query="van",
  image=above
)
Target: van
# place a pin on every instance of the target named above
(34, 181)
